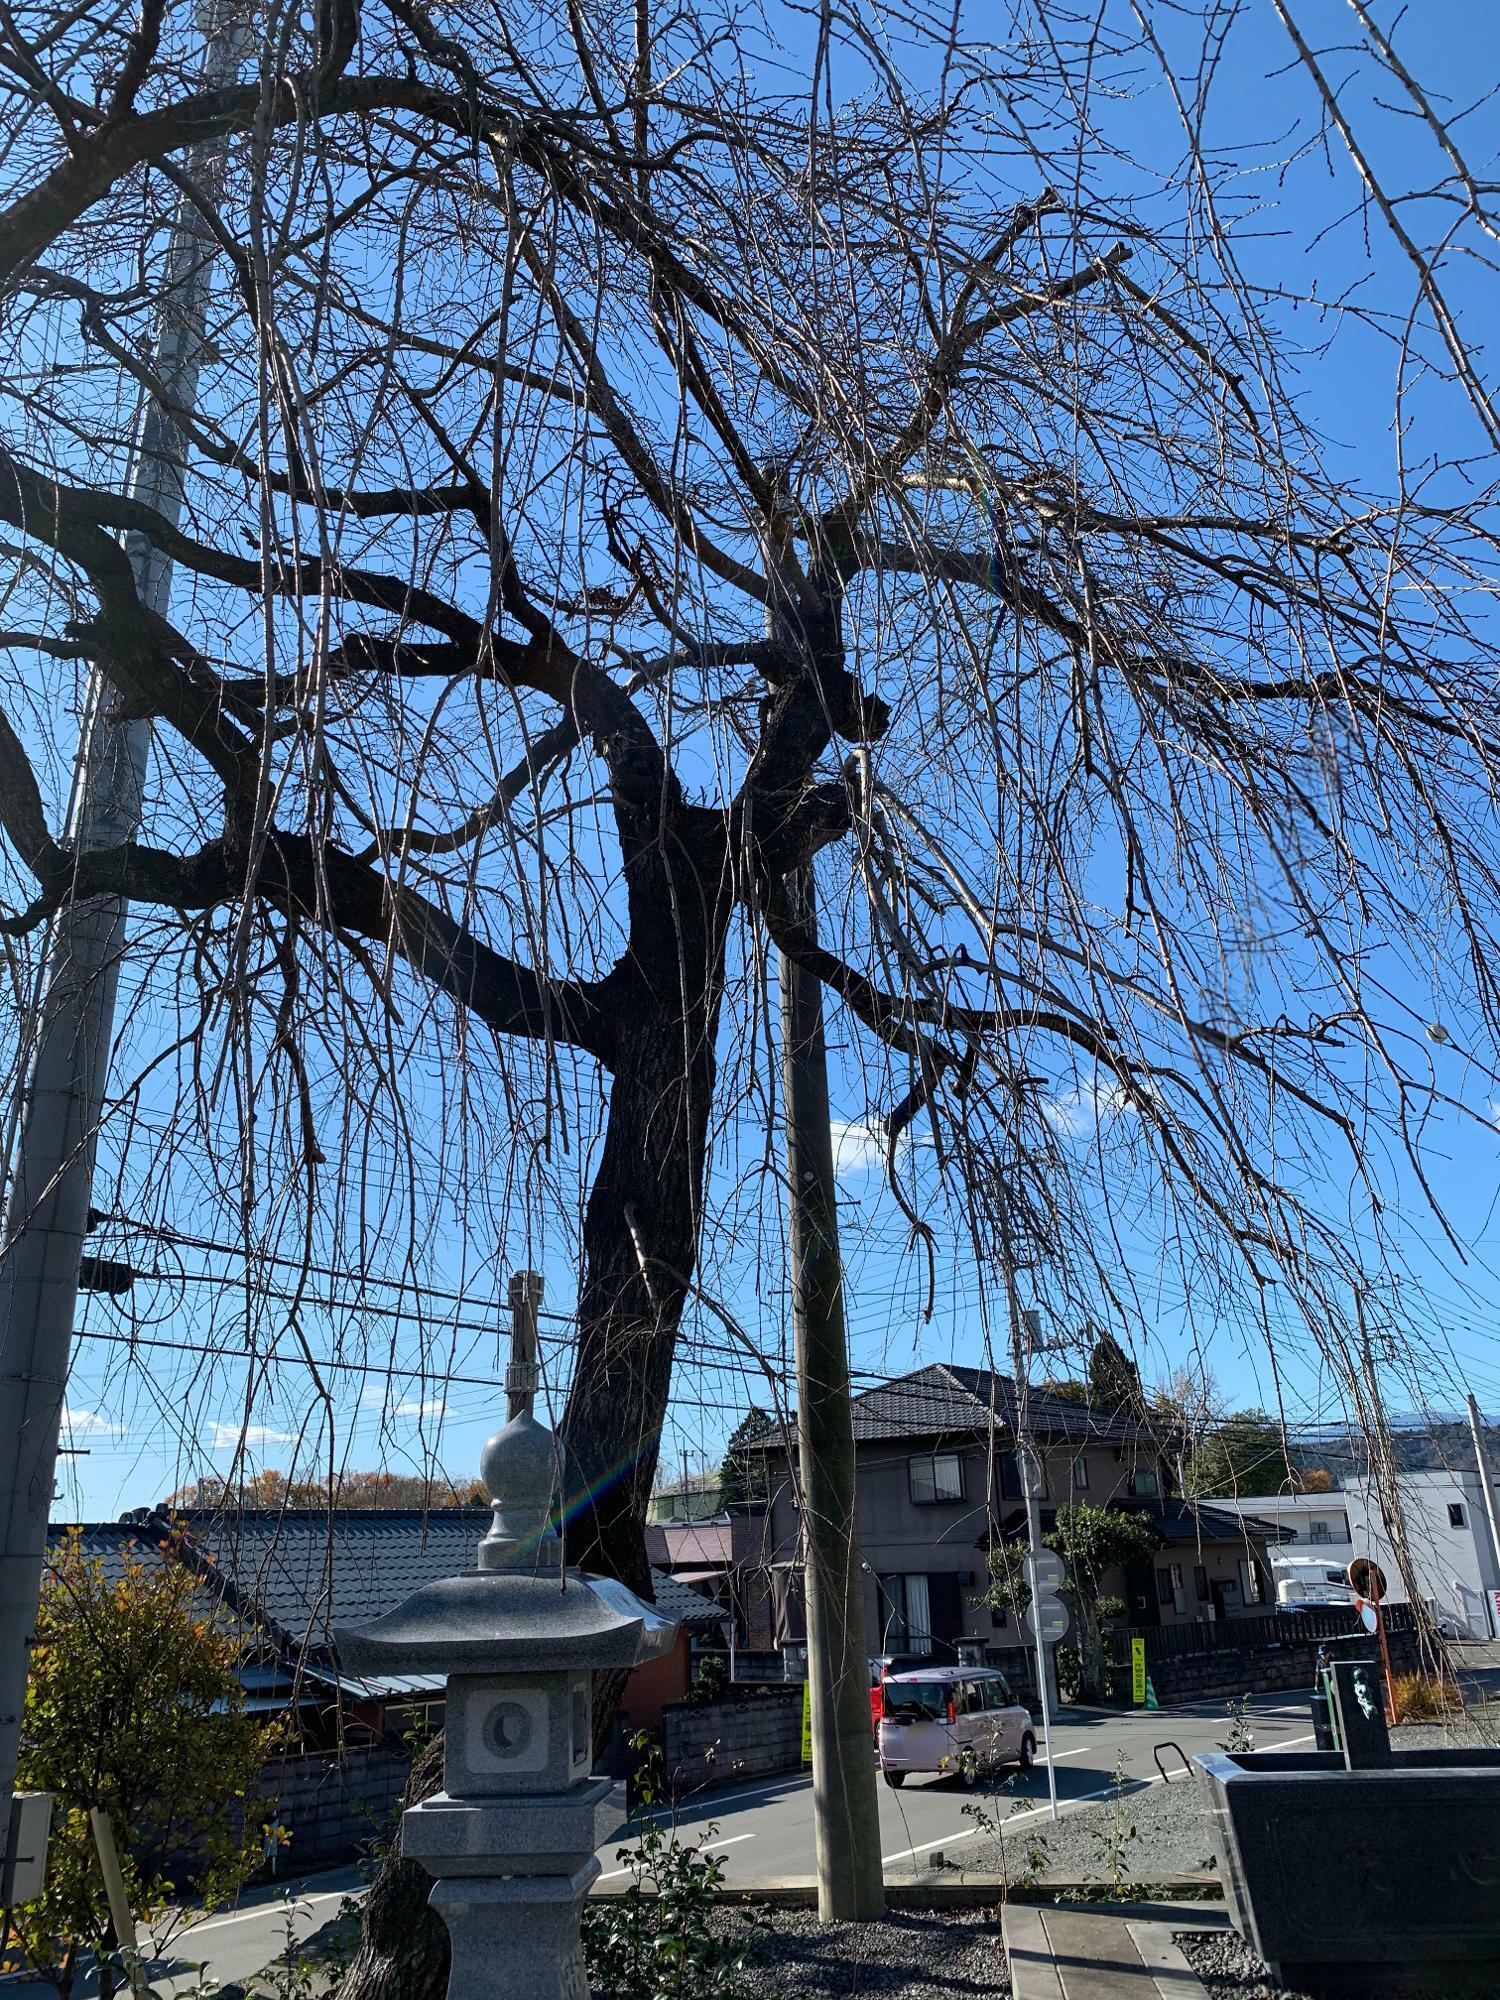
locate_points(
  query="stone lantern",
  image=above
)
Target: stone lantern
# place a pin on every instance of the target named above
(511, 1837)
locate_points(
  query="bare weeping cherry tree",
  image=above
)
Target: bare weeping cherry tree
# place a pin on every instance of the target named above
(558, 355)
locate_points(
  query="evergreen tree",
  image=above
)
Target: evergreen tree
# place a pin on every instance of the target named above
(743, 1475)
(1241, 1457)
(1115, 1381)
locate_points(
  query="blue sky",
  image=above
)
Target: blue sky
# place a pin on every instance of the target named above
(1296, 232)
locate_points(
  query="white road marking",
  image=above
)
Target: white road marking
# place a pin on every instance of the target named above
(266, 1909)
(1044, 1806)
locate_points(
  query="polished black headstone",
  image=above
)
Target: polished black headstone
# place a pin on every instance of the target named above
(1359, 1697)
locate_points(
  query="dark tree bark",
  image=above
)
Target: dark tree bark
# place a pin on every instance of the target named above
(640, 1235)
(403, 1952)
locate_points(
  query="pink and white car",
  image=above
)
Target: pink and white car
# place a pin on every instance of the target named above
(960, 1722)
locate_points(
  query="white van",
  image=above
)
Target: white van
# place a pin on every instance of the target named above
(959, 1721)
(1302, 1581)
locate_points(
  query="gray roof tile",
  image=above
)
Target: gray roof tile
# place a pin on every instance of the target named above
(306, 1572)
(945, 1400)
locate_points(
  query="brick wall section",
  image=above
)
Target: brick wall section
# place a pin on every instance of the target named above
(718, 1742)
(334, 1808)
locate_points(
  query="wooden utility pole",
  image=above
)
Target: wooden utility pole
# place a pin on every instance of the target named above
(846, 1813)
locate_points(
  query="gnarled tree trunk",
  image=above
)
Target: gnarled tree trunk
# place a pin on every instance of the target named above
(640, 1248)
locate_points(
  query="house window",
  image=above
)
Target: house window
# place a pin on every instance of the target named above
(936, 1478)
(1164, 1586)
(1455, 1513)
(1080, 1474)
(906, 1615)
(1317, 1531)
(1250, 1581)
(1010, 1477)
(1143, 1485)
(1200, 1583)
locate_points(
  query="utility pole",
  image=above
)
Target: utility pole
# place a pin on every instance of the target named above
(1487, 1490)
(1030, 1466)
(846, 1812)
(71, 1028)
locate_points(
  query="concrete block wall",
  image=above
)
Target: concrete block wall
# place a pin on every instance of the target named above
(718, 1742)
(334, 1808)
(1261, 1670)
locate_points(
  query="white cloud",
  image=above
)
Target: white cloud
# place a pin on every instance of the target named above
(857, 1148)
(88, 1423)
(434, 1406)
(1075, 1113)
(860, 1146)
(229, 1437)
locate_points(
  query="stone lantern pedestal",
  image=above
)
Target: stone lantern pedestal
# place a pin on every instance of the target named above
(510, 1839)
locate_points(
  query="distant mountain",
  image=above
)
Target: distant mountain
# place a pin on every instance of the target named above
(1419, 1445)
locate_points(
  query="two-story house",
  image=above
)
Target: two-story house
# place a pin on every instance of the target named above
(938, 1482)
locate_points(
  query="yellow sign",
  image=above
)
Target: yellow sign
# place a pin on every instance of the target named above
(807, 1722)
(1138, 1671)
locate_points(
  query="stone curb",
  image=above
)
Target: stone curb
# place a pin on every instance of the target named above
(953, 1890)
(1162, 1970)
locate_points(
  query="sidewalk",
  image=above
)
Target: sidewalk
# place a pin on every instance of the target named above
(1100, 1951)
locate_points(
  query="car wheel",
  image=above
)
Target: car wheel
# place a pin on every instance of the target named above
(895, 1779)
(968, 1772)
(1027, 1757)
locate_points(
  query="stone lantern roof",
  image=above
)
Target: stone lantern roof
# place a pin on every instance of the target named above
(490, 1623)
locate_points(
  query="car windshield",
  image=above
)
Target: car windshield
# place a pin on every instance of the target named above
(916, 1701)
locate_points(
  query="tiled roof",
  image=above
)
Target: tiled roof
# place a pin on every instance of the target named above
(311, 1571)
(114, 1543)
(307, 1572)
(945, 1400)
(687, 1606)
(1186, 1521)
(1180, 1523)
(111, 1544)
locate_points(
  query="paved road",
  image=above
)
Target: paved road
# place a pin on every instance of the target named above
(766, 1829)
(233, 1944)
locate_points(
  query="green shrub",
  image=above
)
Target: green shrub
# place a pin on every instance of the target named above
(711, 1682)
(658, 1941)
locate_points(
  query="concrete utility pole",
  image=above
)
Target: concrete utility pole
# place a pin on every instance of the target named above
(1487, 1490)
(70, 1031)
(846, 1812)
(1029, 1464)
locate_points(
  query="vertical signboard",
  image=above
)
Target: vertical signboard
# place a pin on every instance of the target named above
(1138, 1672)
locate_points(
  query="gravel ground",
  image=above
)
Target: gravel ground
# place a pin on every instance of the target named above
(1158, 1830)
(910, 1955)
(1171, 1836)
(1231, 1971)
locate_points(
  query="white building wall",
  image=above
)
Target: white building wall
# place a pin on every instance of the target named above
(1452, 1559)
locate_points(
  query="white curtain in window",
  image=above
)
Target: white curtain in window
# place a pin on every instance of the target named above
(918, 1615)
